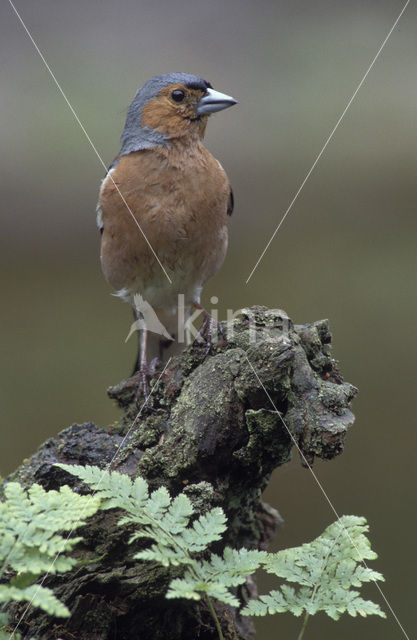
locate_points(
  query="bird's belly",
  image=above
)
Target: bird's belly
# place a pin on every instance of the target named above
(173, 238)
(187, 264)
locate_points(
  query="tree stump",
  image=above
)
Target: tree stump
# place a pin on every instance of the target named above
(217, 428)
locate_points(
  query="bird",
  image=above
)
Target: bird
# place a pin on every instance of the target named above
(162, 212)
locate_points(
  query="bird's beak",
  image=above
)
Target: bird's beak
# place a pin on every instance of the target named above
(214, 101)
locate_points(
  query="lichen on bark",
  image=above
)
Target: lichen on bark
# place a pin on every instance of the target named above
(217, 428)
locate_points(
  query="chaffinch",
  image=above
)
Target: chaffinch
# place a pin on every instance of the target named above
(163, 206)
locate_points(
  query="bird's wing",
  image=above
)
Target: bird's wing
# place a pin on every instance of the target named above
(230, 203)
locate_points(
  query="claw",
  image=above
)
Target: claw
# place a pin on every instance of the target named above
(145, 374)
(209, 330)
(143, 388)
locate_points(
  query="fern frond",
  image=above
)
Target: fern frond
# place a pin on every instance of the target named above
(178, 514)
(165, 555)
(233, 568)
(113, 488)
(192, 587)
(162, 518)
(214, 576)
(326, 570)
(180, 588)
(38, 596)
(31, 540)
(206, 529)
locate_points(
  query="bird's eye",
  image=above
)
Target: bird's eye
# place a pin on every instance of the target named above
(178, 95)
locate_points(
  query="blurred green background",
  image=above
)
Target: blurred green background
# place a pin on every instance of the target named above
(347, 250)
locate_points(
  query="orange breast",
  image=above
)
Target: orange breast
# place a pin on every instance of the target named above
(178, 197)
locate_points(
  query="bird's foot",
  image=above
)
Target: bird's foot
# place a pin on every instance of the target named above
(144, 376)
(209, 331)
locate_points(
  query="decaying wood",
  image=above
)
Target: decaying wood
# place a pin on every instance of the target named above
(216, 430)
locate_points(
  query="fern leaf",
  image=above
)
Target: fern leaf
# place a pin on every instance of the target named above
(233, 568)
(114, 489)
(31, 540)
(140, 492)
(206, 529)
(165, 555)
(192, 588)
(38, 596)
(178, 515)
(326, 570)
(180, 588)
(93, 476)
(274, 602)
(364, 608)
(220, 592)
(158, 503)
(215, 576)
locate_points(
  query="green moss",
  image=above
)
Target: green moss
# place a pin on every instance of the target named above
(268, 441)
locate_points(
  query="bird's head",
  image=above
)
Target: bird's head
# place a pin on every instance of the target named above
(168, 107)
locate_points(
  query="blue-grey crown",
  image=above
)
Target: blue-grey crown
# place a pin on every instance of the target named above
(135, 136)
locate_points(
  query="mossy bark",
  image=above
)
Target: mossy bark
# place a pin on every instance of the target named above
(217, 428)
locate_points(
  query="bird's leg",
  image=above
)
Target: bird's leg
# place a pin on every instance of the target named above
(208, 329)
(144, 372)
